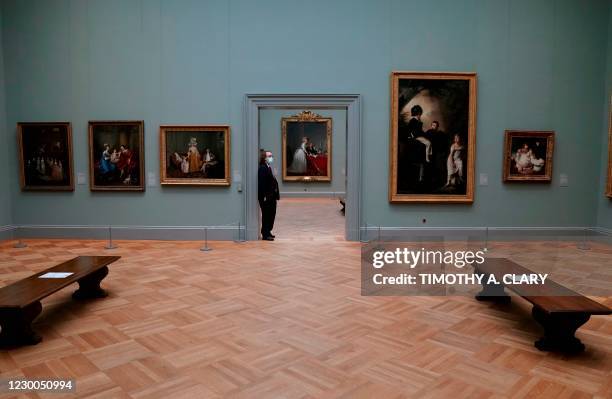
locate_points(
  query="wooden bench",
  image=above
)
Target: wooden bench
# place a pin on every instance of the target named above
(20, 301)
(558, 309)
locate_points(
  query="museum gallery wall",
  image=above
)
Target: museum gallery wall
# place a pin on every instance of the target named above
(170, 64)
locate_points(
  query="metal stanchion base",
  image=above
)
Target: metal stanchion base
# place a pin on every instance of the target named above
(205, 249)
(583, 246)
(20, 244)
(110, 246)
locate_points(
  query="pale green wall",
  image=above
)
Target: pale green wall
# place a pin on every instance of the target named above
(604, 210)
(539, 65)
(270, 139)
(5, 179)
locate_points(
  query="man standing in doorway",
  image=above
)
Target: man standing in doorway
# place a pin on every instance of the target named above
(268, 194)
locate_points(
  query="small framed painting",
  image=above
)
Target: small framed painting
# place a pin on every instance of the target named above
(45, 156)
(307, 147)
(433, 137)
(116, 155)
(195, 155)
(528, 156)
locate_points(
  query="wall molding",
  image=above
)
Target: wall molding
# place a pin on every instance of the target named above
(502, 233)
(162, 233)
(230, 233)
(308, 194)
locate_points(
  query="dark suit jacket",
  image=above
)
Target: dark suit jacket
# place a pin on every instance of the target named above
(267, 185)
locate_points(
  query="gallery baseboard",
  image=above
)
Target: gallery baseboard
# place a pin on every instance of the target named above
(6, 232)
(474, 234)
(310, 194)
(368, 233)
(179, 233)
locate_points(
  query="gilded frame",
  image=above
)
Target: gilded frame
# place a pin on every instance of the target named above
(307, 117)
(509, 135)
(20, 144)
(165, 180)
(141, 154)
(468, 197)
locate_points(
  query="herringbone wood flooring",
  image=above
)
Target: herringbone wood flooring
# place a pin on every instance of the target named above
(286, 320)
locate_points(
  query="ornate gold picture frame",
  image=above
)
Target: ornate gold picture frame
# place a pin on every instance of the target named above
(307, 147)
(116, 156)
(528, 155)
(433, 137)
(195, 155)
(45, 156)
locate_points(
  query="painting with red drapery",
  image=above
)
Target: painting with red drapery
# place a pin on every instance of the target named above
(306, 147)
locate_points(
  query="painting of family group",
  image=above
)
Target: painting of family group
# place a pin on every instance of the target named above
(116, 151)
(306, 147)
(432, 137)
(195, 155)
(45, 151)
(528, 155)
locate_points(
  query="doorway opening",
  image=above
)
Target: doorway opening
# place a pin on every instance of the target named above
(311, 209)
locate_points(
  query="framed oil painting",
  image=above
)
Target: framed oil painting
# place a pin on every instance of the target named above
(433, 137)
(609, 186)
(528, 155)
(116, 155)
(45, 156)
(307, 147)
(195, 155)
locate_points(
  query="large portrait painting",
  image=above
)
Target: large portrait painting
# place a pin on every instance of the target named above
(45, 156)
(433, 137)
(528, 156)
(116, 155)
(307, 147)
(195, 155)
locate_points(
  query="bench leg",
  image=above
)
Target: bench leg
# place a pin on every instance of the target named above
(17, 326)
(89, 286)
(559, 330)
(493, 293)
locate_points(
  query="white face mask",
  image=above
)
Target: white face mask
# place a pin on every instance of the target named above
(269, 160)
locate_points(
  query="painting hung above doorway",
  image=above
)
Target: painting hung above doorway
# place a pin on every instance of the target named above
(45, 156)
(433, 137)
(307, 147)
(528, 156)
(195, 155)
(116, 155)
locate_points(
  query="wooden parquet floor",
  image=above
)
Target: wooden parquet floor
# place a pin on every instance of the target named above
(285, 320)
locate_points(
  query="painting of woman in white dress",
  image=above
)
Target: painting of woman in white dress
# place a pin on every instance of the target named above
(433, 137)
(306, 147)
(195, 155)
(528, 155)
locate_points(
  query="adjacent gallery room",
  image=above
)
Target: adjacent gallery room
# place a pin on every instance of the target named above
(306, 199)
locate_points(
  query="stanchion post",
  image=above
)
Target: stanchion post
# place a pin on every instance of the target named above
(205, 248)
(110, 244)
(486, 244)
(19, 243)
(239, 231)
(584, 245)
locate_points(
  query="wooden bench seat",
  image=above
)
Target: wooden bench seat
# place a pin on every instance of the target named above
(558, 309)
(20, 301)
